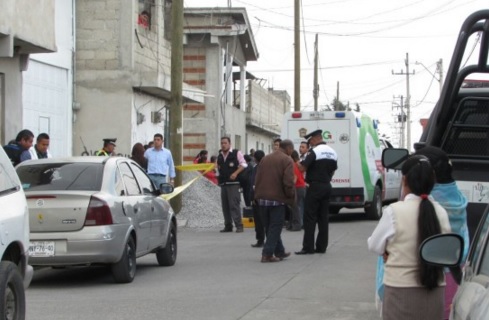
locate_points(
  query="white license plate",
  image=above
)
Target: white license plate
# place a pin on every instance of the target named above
(41, 248)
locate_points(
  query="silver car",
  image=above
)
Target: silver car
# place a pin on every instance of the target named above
(97, 210)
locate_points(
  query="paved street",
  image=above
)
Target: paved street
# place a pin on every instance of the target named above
(219, 276)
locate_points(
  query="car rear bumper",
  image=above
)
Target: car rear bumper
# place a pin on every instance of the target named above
(91, 245)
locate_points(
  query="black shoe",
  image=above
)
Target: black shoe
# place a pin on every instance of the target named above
(302, 252)
(320, 251)
(227, 230)
(238, 230)
(257, 245)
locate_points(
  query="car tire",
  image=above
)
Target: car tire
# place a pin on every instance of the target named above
(167, 256)
(12, 294)
(124, 270)
(374, 211)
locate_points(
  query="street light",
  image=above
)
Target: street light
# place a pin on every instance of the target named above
(439, 70)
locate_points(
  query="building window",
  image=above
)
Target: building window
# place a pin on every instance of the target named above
(144, 13)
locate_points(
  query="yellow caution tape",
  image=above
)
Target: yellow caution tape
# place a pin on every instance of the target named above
(203, 167)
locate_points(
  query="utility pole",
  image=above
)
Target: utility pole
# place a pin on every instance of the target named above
(297, 60)
(401, 119)
(337, 102)
(439, 69)
(407, 103)
(176, 114)
(315, 91)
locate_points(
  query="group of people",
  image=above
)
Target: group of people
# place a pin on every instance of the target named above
(153, 157)
(430, 204)
(278, 182)
(156, 160)
(23, 147)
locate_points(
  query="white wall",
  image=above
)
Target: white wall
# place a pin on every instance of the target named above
(48, 85)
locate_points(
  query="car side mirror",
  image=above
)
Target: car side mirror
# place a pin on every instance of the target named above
(445, 250)
(166, 188)
(393, 158)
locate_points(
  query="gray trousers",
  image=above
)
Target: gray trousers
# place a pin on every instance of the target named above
(231, 209)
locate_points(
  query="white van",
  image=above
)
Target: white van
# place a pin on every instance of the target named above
(361, 180)
(15, 273)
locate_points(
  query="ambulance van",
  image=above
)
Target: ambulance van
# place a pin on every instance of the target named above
(360, 180)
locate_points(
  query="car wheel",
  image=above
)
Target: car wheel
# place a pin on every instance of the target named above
(374, 211)
(124, 270)
(12, 294)
(167, 256)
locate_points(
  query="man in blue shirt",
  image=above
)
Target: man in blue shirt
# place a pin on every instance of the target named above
(18, 150)
(160, 162)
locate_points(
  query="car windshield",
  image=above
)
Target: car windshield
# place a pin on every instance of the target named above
(61, 176)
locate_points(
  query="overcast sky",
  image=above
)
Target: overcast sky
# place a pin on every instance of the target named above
(360, 44)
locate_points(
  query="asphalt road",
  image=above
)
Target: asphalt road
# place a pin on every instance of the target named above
(219, 276)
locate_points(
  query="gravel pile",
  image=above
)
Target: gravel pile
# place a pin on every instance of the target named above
(201, 203)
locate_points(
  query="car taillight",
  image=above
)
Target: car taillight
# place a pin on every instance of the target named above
(98, 213)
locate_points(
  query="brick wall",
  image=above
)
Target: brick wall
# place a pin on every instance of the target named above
(97, 37)
(194, 72)
(192, 144)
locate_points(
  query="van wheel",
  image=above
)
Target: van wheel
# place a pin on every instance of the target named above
(124, 270)
(167, 256)
(12, 294)
(374, 211)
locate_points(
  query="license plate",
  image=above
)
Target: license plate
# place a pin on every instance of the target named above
(41, 248)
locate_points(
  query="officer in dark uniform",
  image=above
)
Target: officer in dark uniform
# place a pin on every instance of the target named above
(319, 165)
(108, 149)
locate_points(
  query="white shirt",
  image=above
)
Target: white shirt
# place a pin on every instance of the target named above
(385, 230)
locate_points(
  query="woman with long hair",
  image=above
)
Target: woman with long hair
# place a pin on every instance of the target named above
(137, 154)
(413, 289)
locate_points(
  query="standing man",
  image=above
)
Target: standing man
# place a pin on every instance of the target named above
(303, 148)
(40, 149)
(160, 162)
(274, 190)
(18, 150)
(320, 165)
(108, 149)
(230, 163)
(276, 144)
(259, 227)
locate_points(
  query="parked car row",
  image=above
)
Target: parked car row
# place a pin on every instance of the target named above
(81, 211)
(96, 210)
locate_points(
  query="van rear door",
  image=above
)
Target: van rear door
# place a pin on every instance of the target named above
(336, 133)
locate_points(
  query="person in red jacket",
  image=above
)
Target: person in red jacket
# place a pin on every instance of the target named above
(297, 210)
(202, 158)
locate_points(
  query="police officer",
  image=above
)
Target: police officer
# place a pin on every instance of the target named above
(319, 165)
(108, 149)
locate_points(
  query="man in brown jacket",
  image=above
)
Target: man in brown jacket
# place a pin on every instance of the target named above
(274, 189)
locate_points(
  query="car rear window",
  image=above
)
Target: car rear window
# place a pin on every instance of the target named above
(61, 176)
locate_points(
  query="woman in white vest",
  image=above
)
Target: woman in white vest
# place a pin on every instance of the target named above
(413, 290)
